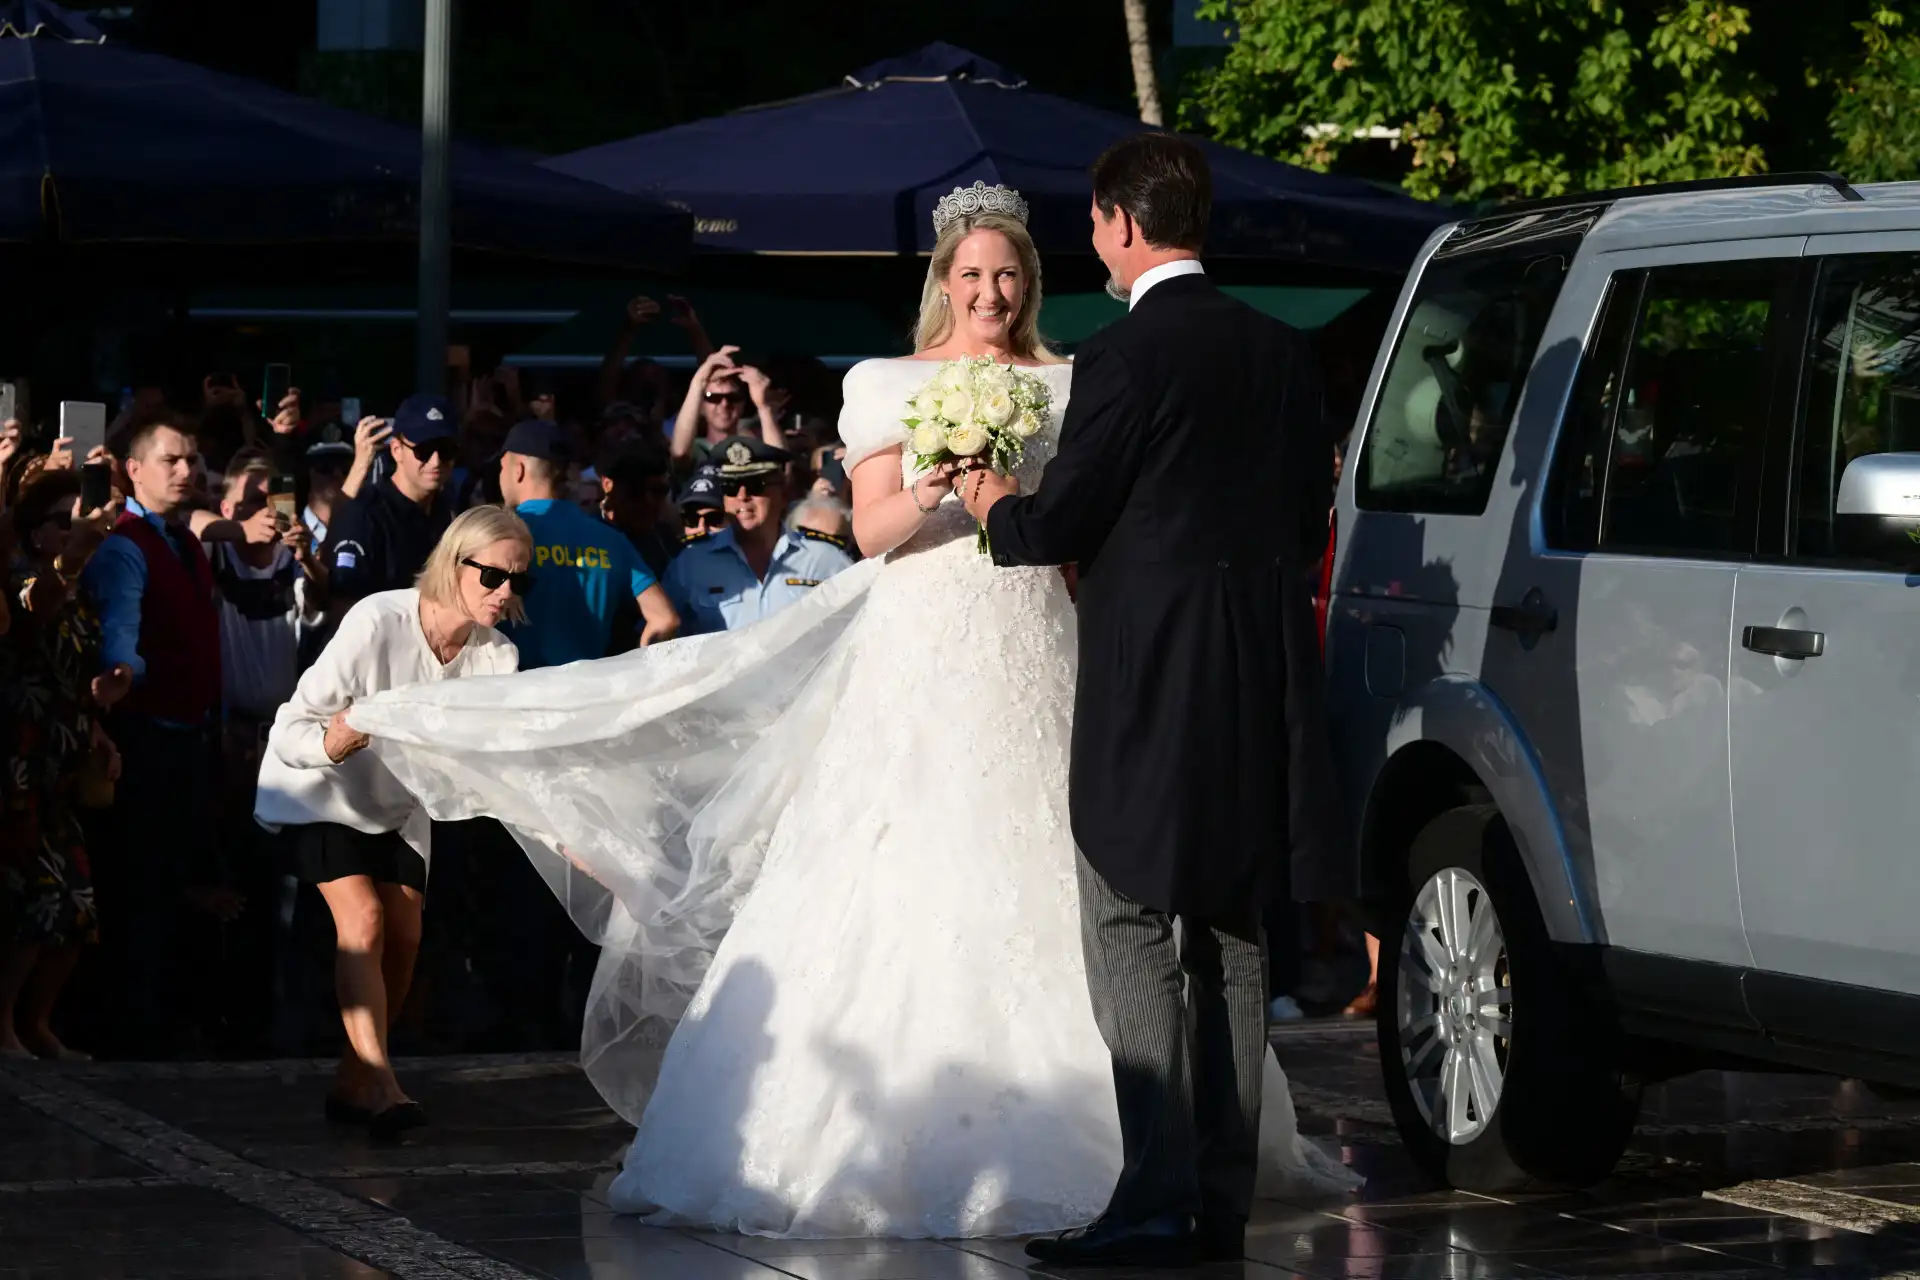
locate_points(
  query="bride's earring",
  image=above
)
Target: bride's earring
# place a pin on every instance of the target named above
(945, 301)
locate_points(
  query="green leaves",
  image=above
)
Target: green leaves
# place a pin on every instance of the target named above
(1875, 126)
(1493, 98)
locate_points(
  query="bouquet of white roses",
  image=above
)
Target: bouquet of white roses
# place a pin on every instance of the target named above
(973, 408)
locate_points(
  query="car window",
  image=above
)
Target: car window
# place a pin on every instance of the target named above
(1586, 436)
(1689, 412)
(1862, 385)
(1458, 365)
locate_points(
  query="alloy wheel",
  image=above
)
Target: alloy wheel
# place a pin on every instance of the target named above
(1455, 1005)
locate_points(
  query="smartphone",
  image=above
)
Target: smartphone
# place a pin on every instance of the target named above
(274, 385)
(349, 413)
(9, 401)
(96, 486)
(85, 423)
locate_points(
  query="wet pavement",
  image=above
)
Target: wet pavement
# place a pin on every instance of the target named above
(155, 1171)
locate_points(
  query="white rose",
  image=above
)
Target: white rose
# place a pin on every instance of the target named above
(929, 438)
(997, 377)
(967, 439)
(927, 403)
(996, 408)
(952, 377)
(1027, 425)
(956, 405)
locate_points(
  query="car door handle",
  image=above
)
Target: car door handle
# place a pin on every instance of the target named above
(1530, 618)
(1784, 642)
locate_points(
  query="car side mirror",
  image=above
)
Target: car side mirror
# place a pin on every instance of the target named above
(1876, 515)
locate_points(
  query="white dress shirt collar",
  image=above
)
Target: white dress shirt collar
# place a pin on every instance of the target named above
(1165, 271)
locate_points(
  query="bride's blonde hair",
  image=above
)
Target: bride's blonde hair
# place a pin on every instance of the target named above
(936, 315)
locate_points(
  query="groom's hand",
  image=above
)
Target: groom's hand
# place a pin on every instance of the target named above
(981, 488)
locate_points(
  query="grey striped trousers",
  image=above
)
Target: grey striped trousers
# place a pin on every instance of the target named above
(1183, 1011)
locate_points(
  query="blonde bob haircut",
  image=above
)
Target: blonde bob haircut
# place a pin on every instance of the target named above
(936, 315)
(472, 531)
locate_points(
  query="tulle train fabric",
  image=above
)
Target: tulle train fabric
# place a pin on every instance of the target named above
(643, 787)
(842, 991)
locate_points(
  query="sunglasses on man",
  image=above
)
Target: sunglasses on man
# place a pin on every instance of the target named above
(725, 397)
(749, 486)
(443, 448)
(707, 521)
(493, 577)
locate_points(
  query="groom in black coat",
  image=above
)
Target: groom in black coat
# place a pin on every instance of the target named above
(1191, 486)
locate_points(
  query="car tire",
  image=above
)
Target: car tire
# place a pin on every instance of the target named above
(1502, 1074)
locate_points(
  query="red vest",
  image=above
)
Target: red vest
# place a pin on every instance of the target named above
(179, 629)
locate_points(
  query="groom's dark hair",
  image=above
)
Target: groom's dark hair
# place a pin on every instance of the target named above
(1163, 182)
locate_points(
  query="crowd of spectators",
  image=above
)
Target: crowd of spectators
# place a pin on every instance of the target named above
(148, 646)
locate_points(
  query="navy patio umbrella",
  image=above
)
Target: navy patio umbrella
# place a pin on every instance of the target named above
(103, 143)
(857, 169)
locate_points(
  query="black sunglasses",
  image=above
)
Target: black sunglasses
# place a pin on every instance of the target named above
(443, 447)
(752, 486)
(708, 518)
(726, 397)
(492, 576)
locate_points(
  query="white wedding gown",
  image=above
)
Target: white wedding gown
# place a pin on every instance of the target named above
(830, 856)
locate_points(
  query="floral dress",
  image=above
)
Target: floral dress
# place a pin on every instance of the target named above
(46, 735)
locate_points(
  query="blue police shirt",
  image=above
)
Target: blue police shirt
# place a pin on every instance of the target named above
(584, 574)
(715, 589)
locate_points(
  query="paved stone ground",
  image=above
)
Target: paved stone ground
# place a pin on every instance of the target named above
(149, 1172)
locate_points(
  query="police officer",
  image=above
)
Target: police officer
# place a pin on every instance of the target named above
(587, 577)
(381, 540)
(703, 509)
(754, 568)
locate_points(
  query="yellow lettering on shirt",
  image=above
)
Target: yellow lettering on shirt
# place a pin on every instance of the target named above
(574, 557)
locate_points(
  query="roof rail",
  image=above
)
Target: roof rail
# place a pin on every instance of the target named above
(1824, 179)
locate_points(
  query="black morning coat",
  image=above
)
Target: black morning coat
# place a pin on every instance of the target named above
(1192, 484)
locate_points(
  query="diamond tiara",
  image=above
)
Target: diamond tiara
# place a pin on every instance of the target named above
(965, 202)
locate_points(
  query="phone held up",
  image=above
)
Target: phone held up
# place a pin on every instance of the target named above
(96, 486)
(275, 382)
(84, 422)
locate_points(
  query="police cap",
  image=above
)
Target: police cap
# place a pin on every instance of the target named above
(745, 457)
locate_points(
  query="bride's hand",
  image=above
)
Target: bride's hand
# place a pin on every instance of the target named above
(937, 483)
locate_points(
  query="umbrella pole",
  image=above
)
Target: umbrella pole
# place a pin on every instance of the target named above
(430, 349)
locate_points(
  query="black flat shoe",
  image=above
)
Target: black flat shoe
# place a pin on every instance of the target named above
(340, 1111)
(1166, 1241)
(396, 1120)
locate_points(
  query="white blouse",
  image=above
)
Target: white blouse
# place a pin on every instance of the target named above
(380, 645)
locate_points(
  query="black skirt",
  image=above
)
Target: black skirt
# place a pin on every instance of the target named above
(324, 851)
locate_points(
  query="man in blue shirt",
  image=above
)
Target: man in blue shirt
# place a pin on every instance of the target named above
(587, 577)
(753, 568)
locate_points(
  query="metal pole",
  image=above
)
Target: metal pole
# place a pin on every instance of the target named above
(430, 349)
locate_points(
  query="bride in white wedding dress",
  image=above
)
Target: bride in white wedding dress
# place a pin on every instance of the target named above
(842, 991)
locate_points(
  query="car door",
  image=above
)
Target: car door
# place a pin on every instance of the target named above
(1825, 672)
(1648, 515)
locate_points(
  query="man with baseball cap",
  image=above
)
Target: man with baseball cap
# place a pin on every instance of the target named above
(380, 541)
(703, 508)
(753, 568)
(329, 458)
(587, 577)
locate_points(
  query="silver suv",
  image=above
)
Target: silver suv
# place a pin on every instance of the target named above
(1624, 659)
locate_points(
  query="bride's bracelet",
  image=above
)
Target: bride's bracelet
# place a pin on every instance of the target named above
(913, 491)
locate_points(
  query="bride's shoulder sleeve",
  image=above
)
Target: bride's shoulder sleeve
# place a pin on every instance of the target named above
(871, 414)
